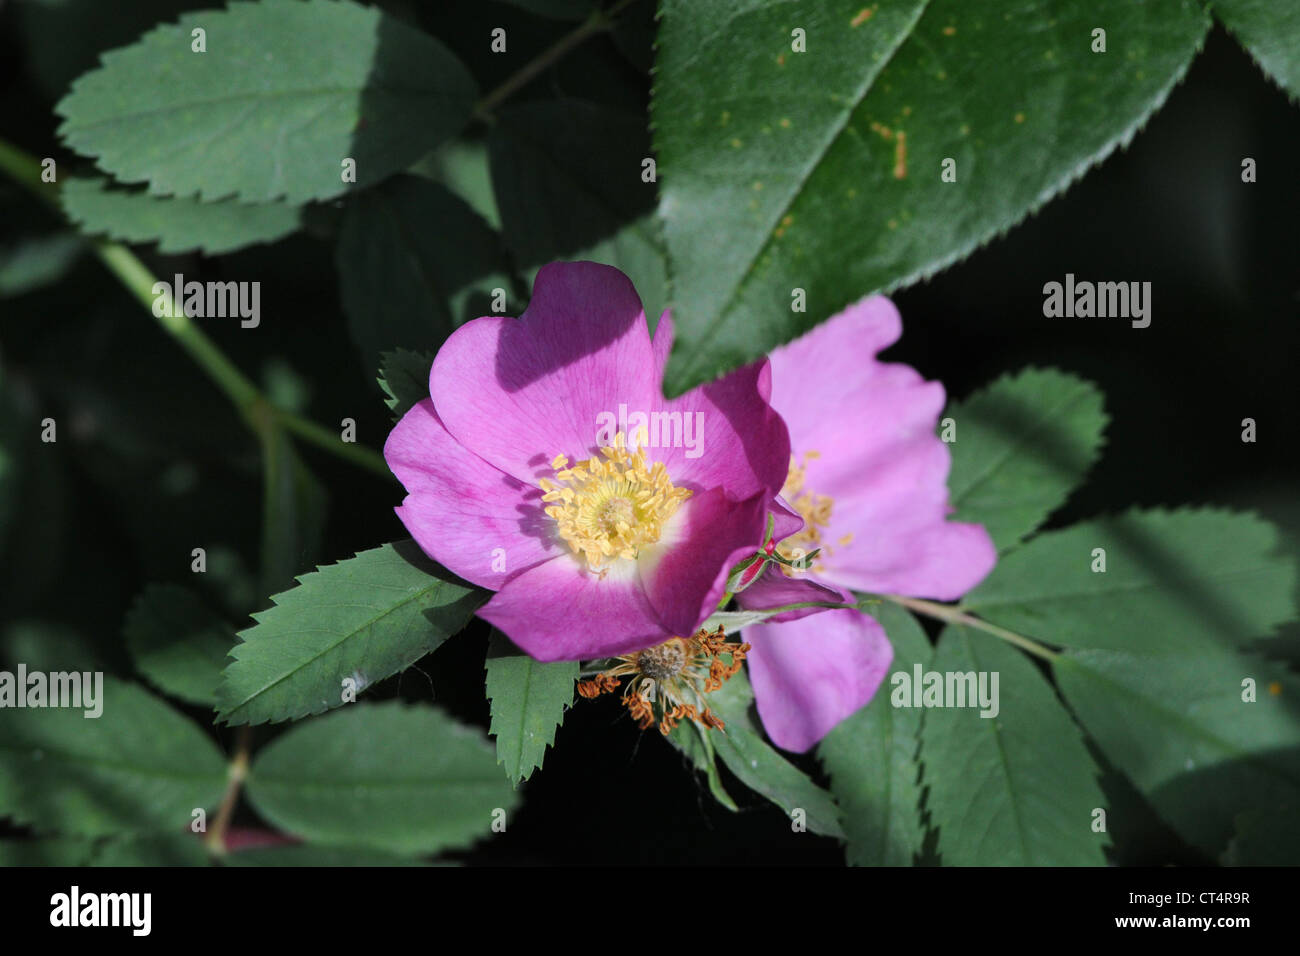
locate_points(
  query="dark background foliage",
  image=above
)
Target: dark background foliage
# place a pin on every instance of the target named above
(151, 461)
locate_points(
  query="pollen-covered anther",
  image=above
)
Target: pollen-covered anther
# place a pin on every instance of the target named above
(611, 506)
(667, 683)
(815, 510)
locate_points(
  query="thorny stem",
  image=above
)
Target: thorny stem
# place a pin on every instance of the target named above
(598, 22)
(235, 775)
(253, 407)
(955, 615)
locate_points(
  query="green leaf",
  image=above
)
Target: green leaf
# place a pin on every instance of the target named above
(871, 758)
(50, 646)
(405, 250)
(284, 94)
(365, 618)
(139, 767)
(821, 170)
(1015, 789)
(404, 377)
(178, 642)
(182, 849)
(1271, 32)
(403, 779)
(1177, 724)
(529, 699)
(1022, 445)
(47, 851)
(304, 854)
(758, 765)
(567, 176)
(1265, 838)
(695, 746)
(177, 224)
(37, 262)
(1172, 580)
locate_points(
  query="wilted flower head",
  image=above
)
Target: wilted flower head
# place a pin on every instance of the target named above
(547, 466)
(868, 478)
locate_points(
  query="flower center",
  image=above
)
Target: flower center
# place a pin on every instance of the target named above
(815, 510)
(667, 683)
(610, 506)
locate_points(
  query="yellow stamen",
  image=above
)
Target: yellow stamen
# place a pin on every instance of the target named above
(813, 508)
(610, 506)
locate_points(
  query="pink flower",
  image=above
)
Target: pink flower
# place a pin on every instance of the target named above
(548, 467)
(869, 479)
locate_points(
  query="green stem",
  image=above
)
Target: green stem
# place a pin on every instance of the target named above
(332, 442)
(255, 409)
(140, 282)
(955, 615)
(598, 22)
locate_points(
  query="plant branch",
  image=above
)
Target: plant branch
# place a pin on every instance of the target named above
(598, 22)
(235, 776)
(253, 407)
(955, 615)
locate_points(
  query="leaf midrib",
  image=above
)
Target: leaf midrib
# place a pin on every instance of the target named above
(715, 323)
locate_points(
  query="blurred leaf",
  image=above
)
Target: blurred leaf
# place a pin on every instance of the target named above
(1172, 580)
(461, 165)
(821, 170)
(1271, 32)
(567, 176)
(405, 249)
(871, 758)
(177, 224)
(304, 86)
(139, 767)
(757, 764)
(179, 849)
(46, 851)
(528, 699)
(304, 854)
(404, 377)
(365, 618)
(36, 262)
(1177, 725)
(1022, 445)
(1265, 838)
(294, 509)
(178, 642)
(49, 646)
(1015, 789)
(403, 779)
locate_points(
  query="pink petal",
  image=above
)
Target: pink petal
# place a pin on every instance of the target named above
(775, 589)
(872, 426)
(518, 392)
(739, 442)
(902, 541)
(475, 520)
(685, 572)
(560, 611)
(810, 674)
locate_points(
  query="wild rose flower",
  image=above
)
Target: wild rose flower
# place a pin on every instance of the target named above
(598, 540)
(868, 477)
